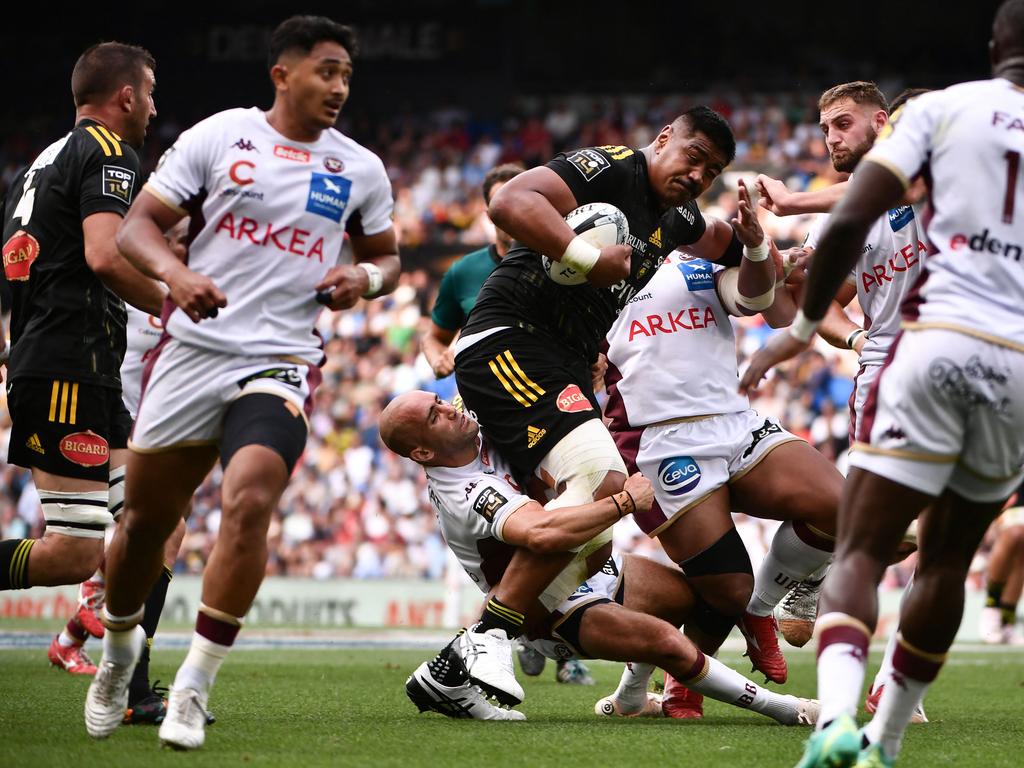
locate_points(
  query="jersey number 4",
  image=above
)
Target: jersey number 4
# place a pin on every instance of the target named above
(23, 210)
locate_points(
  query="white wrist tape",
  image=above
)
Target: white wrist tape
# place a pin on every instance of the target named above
(580, 255)
(758, 252)
(375, 276)
(803, 329)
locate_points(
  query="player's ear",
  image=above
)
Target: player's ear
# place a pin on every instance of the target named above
(126, 98)
(279, 76)
(663, 138)
(421, 455)
(880, 119)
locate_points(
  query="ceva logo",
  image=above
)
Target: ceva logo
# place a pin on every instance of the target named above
(679, 475)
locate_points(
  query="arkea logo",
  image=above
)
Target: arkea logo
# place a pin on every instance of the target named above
(679, 475)
(984, 243)
(328, 195)
(572, 400)
(534, 435)
(291, 153)
(698, 274)
(900, 217)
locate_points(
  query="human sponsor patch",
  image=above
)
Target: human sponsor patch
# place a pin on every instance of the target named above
(698, 274)
(87, 449)
(679, 475)
(488, 503)
(900, 217)
(589, 162)
(759, 434)
(118, 182)
(19, 252)
(328, 195)
(572, 400)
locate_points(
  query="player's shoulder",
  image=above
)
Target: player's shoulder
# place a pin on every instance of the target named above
(91, 139)
(471, 260)
(593, 161)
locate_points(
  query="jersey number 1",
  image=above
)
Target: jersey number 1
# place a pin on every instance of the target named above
(1012, 167)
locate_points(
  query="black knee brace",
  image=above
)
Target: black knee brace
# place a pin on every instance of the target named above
(709, 620)
(727, 555)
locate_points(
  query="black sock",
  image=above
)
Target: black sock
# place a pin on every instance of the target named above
(497, 615)
(14, 563)
(1007, 614)
(995, 594)
(139, 687)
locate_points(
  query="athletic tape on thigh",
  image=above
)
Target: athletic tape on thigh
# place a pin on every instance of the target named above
(83, 514)
(581, 460)
(115, 499)
(727, 555)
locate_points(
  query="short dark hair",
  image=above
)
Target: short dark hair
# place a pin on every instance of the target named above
(499, 174)
(302, 33)
(1008, 25)
(104, 68)
(859, 92)
(904, 96)
(712, 125)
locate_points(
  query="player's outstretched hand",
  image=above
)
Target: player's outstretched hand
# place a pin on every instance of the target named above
(640, 489)
(444, 364)
(611, 266)
(343, 286)
(747, 227)
(780, 347)
(774, 195)
(194, 294)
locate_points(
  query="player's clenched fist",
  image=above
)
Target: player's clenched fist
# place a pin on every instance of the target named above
(194, 294)
(343, 286)
(639, 487)
(611, 266)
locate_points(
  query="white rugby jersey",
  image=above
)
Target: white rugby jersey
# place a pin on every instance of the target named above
(144, 332)
(968, 141)
(891, 261)
(671, 352)
(472, 504)
(273, 213)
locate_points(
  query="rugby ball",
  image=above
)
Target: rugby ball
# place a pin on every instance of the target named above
(601, 225)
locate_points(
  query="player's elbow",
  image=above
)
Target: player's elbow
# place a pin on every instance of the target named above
(502, 207)
(102, 259)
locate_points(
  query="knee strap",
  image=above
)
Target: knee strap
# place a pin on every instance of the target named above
(727, 555)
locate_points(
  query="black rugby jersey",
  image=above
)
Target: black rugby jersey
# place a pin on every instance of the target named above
(65, 322)
(519, 292)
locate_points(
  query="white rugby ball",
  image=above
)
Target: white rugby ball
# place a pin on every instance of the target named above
(601, 225)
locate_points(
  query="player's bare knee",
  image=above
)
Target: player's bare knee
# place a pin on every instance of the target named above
(671, 647)
(247, 509)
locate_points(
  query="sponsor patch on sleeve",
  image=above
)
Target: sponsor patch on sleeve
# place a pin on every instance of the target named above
(489, 502)
(118, 182)
(900, 217)
(589, 162)
(698, 274)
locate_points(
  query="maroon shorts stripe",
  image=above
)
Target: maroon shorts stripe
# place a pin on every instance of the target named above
(867, 420)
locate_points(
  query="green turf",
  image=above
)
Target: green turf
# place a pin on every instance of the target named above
(348, 708)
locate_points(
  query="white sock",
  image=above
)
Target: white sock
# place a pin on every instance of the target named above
(66, 640)
(121, 647)
(842, 658)
(899, 700)
(884, 671)
(725, 684)
(201, 665)
(632, 690)
(788, 562)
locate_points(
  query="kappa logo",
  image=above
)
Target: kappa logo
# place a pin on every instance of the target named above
(291, 153)
(118, 182)
(87, 449)
(328, 195)
(759, 434)
(19, 253)
(679, 475)
(245, 145)
(698, 274)
(894, 432)
(35, 444)
(572, 400)
(488, 503)
(534, 435)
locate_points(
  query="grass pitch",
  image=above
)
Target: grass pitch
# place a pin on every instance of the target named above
(348, 708)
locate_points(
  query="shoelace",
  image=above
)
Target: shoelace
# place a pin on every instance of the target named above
(160, 690)
(796, 593)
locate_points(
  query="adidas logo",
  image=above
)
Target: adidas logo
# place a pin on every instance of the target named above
(534, 436)
(33, 444)
(655, 239)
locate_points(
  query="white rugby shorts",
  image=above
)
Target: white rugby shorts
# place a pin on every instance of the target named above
(687, 461)
(186, 391)
(947, 410)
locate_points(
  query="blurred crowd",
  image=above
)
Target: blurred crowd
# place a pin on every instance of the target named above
(353, 508)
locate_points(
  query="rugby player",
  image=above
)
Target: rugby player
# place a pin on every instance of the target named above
(941, 432)
(523, 361)
(271, 196)
(623, 609)
(67, 323)
(675, 415)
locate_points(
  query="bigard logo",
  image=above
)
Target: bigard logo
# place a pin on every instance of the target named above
(87, 449)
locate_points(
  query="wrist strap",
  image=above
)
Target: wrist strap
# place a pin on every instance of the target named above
(375, 276)
(627, 505)
(580, 255)
(803, 329)
(855, 334)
